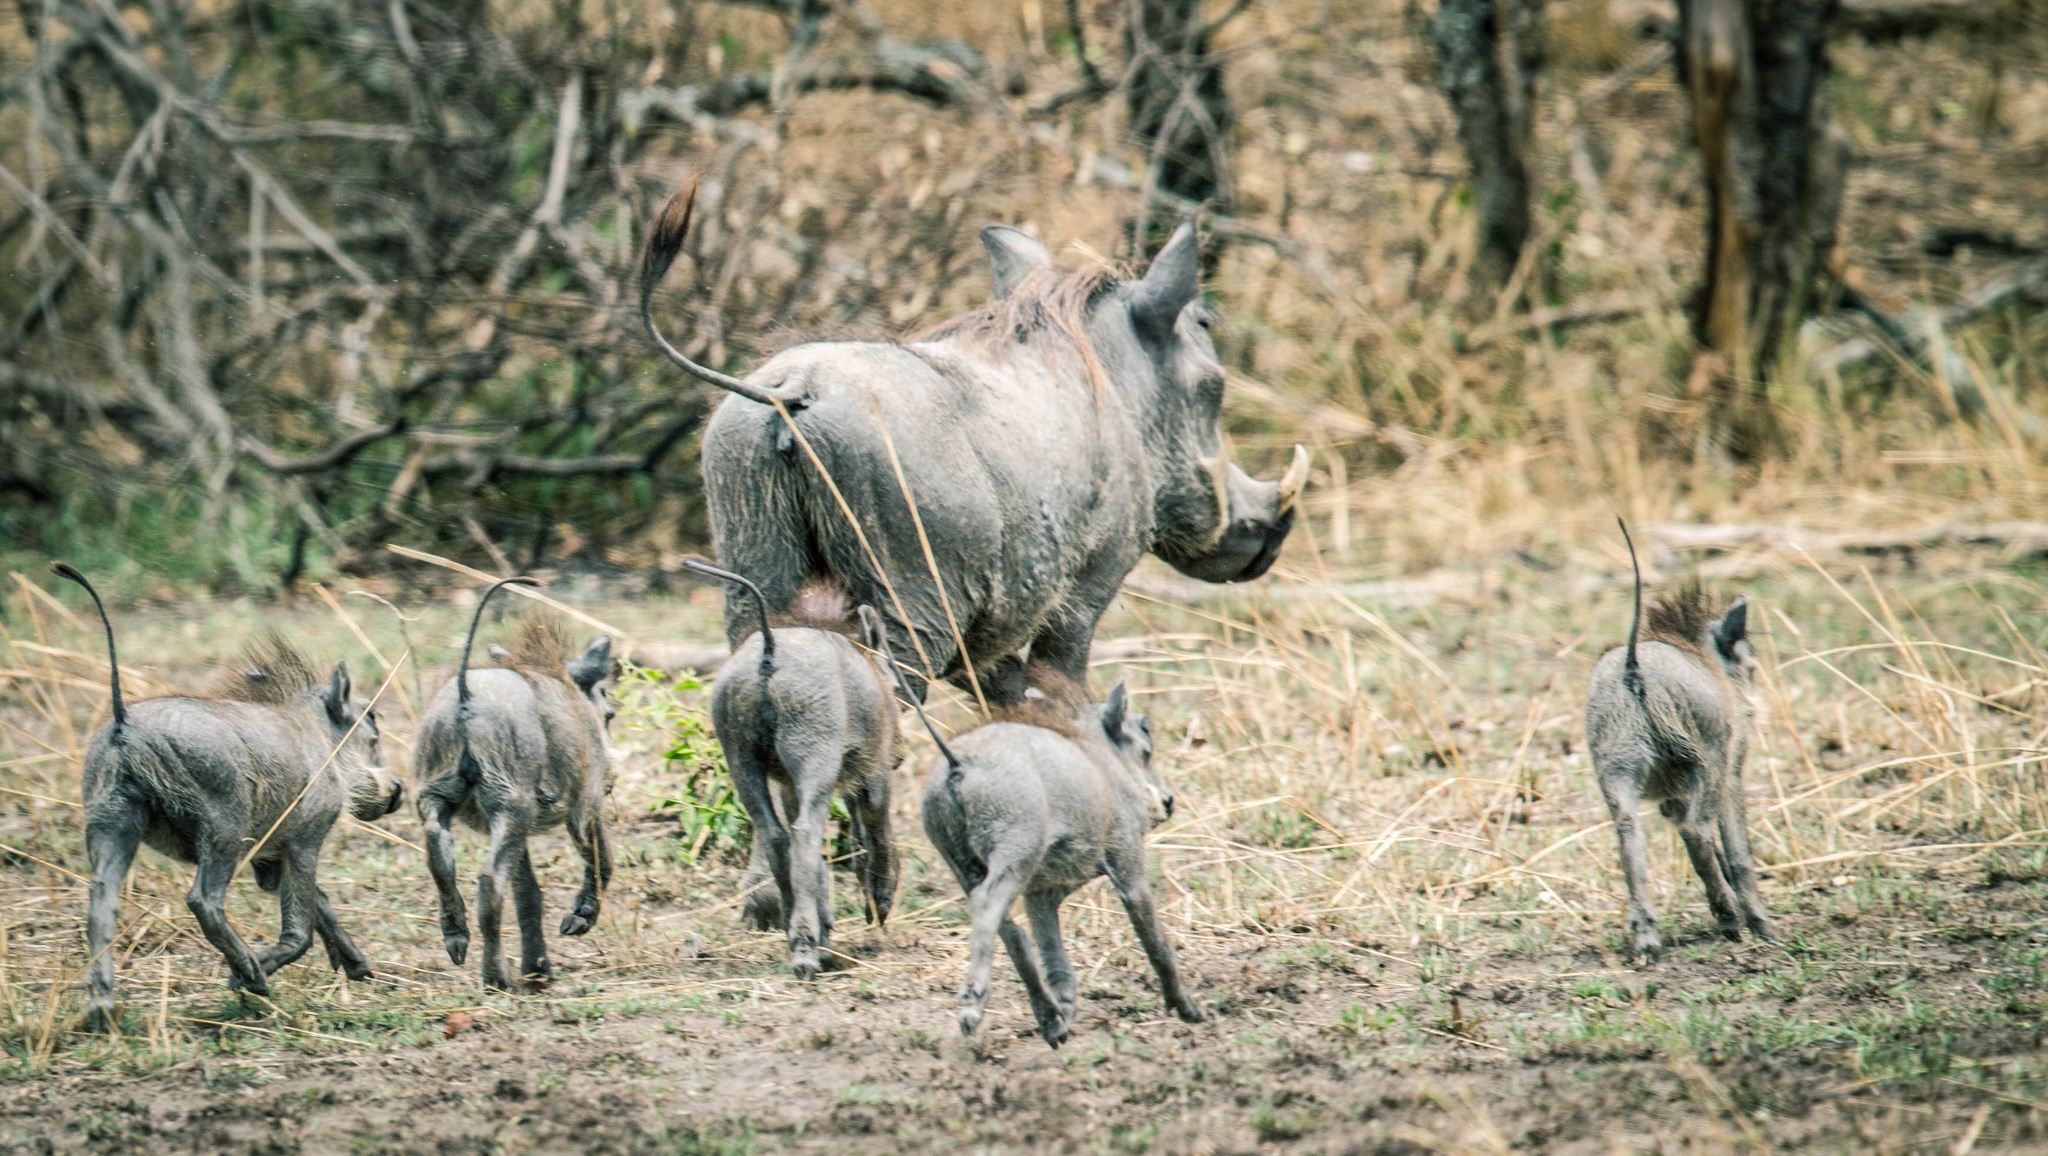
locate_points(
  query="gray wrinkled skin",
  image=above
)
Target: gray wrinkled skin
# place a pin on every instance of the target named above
(201, 780)
(537, 758)
(1035, 812)
(822, 720)
(1038, 495)
(1680, 741)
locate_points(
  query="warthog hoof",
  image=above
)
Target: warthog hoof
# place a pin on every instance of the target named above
(458, 947)
(762, 910)
(1191, 1014)
(803, 963)
(578, 922)
(254, 986)
(99, 1018)
(1055, 1030)
(1760, 926)
(970, 1019)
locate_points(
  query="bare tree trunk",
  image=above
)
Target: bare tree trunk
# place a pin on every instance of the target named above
(1490, 52)
(1755, 71)
(1178, 108)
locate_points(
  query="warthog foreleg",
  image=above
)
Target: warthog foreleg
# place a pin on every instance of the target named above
(111, 836)
(219, 855)
(1740, 860)
(589, 839)
(1696, 829)
(526, 900)
(1043, 909)
(1126, 871)
(508, 843)
(436, 813)
(297, 907)
(342, 953)
(869, 806)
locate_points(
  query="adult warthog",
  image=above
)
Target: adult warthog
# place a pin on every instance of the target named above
(1049, 440)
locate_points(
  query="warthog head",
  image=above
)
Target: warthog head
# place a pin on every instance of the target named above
(373, 791)
(1151, 337)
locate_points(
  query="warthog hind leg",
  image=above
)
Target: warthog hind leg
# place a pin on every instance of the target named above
(111, 836)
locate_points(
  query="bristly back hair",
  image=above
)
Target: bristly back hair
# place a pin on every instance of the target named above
(269, 672)
(1050, 302)
(541, 643)
(1681, 617)
(1056, 707)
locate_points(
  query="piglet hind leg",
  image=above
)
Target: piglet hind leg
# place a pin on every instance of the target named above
(436, 813)
(1126, 873)
(989, 911)
(111, 836)
(1053, 1024)
(1623, 798)
(534, 967)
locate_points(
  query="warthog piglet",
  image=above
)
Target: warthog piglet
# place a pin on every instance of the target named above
(1039, 809)
(1667, 721)
(255, 769)
(800, 706)
(511, 750)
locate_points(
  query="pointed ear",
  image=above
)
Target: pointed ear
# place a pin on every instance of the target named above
(594, 665)
(1168, 286)
(338, 690)
(1114, 712)
(1013, 253)
(1732, 628)
(870, 627)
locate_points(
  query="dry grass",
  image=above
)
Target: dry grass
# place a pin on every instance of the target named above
(1400, 777)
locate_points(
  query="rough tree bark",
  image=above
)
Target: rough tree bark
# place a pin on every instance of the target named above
(1754, 70)
(1490, 52)
(1176, 101)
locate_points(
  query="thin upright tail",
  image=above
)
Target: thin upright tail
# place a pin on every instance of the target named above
(462, 672)
(874, 621)
(1631, 669)
(703, 566)
(664, 241)
(67, 570)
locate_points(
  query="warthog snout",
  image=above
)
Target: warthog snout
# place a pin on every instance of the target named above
(382, 793)
(1254, 519)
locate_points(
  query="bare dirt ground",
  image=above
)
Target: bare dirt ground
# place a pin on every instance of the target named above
(1397, 894)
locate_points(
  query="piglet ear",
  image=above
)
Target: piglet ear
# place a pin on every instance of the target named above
(1732, 628)
(337, 694)
(594, 665)
(1115, 711)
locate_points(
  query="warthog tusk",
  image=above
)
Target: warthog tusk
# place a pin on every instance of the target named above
(1291, 482)
(1218, 469)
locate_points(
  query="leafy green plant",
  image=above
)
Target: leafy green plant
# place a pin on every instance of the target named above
(701, 795)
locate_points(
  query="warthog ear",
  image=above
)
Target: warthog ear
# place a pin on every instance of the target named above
(1167, 287)
(1114, 712)
(1013, 253)
(870, 626)
(593, 665)
(337, 696)
(1732, 628)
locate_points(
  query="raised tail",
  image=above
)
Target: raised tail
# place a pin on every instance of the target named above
(1631, 669)
(462, 671)
(664, 241)
(703, 566)
(67, 570)
(873, 622)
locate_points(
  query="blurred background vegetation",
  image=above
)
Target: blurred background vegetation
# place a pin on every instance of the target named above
(286, 280)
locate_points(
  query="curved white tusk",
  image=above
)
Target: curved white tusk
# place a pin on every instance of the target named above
(1291, 482)
(1218, 469)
